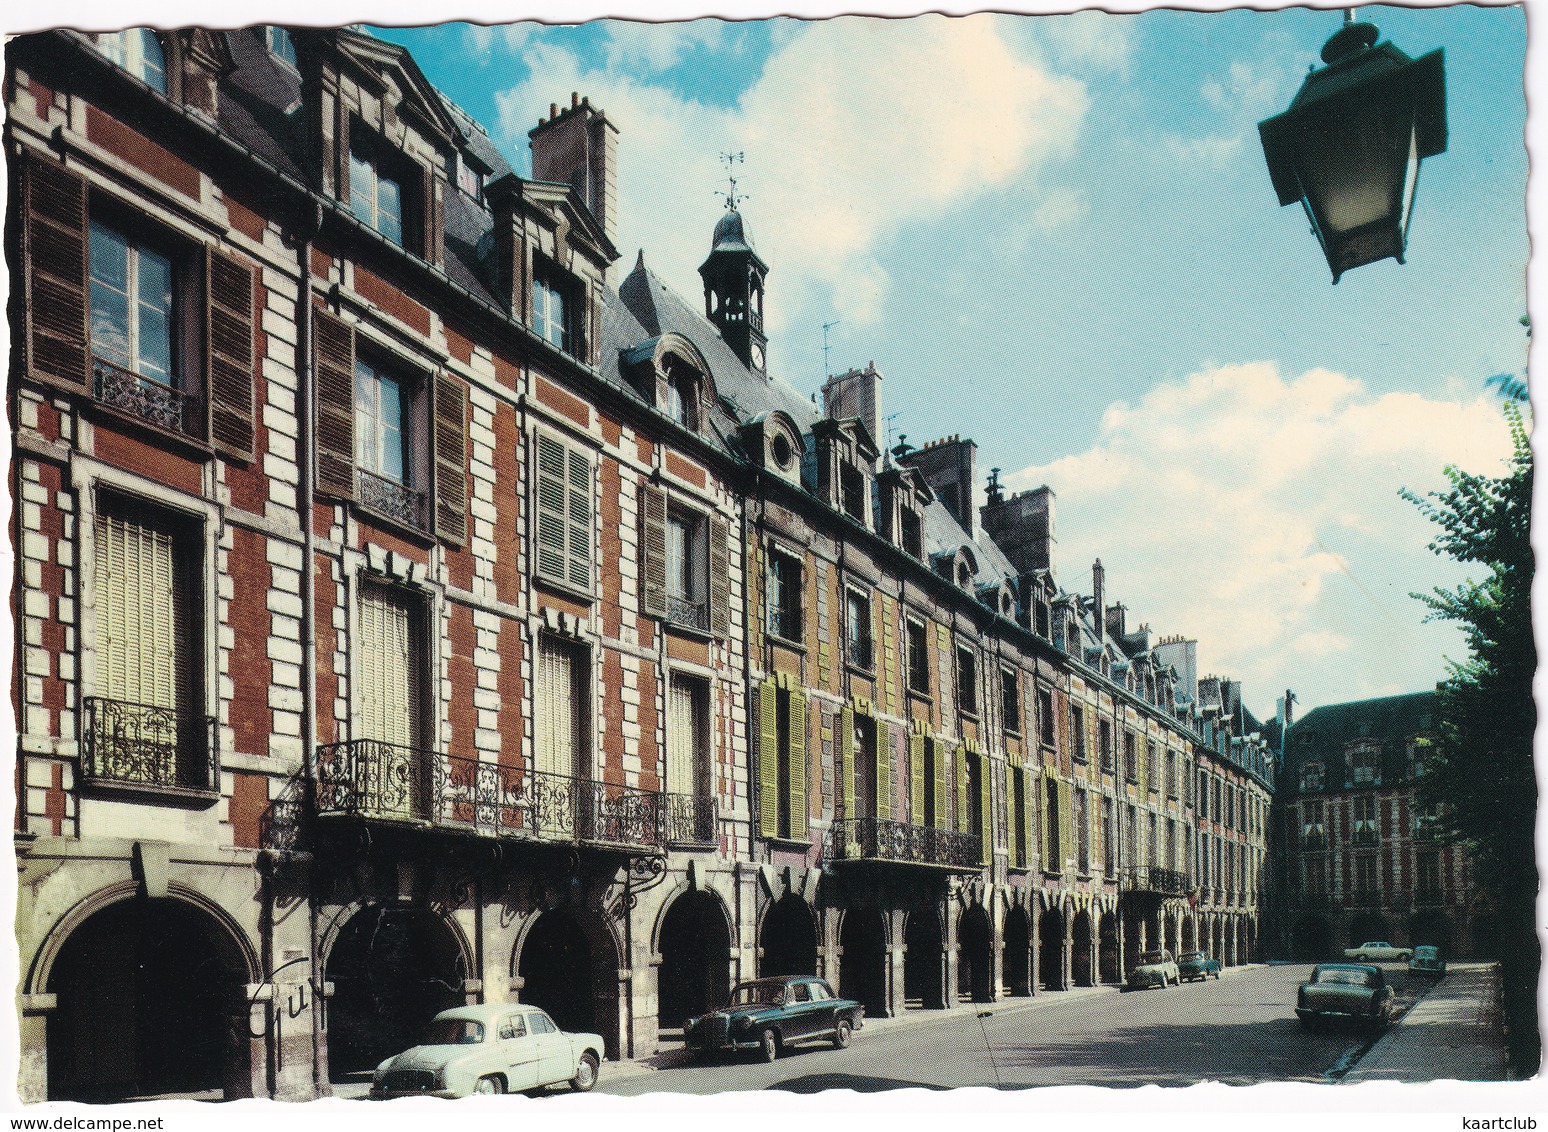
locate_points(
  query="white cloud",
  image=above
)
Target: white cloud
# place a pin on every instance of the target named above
(659, 47)
(1061, 207)
(1260, 514)
(1100, 42)
(482, 41)
(855, 129)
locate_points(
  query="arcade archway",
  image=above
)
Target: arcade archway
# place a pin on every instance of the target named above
(789, 938)
(1016, 953)
(1107, 949)
(572, 973)
(1080, 942)
(924, 961)
(975, 956)
(695, 971)
(1050, 947)
(863, 960)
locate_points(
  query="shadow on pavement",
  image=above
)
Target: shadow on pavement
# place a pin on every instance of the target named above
(819, 1082)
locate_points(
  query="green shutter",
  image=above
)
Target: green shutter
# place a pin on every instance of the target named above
(719, 576)
(768, 759)
(1012, 826)
(942, 818)
(985, 810)
(916, 778)
(653, 550)
(1045, 787)
(1028, 814)
(884, 808)
(1066, 826)
(846, 759)
(962, 790)
(797, 764)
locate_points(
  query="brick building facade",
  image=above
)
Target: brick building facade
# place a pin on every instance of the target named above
(409, 614)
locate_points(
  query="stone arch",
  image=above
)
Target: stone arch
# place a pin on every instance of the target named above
(1082, 942)
(151, 997)
(975, 955)
(393, 968)
(1190, 933)
(1170, 931)
(1433, 927)
(567, 962)
(787, 938)
(863, 959)
(694, 937)
(1367, 927)
(1050, 942)
(924, 960)
(1016, 951)
(1109, 967)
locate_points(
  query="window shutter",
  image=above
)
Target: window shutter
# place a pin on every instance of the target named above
(228, 345)
(653, 549)
(985, 810)
(768, 759)
(797, 764)
(719, 576)
(451, 477)
(1066, 826)
(1012, 818)
(335, 384)
(579, 515)
(1028, 815)
(57, 338)
(963, 812)
(137, 619)
(1045, 789)
(916, 778)
(550, 508)
(846, 768)
(434, 217)
(942, 818)
(884, 806)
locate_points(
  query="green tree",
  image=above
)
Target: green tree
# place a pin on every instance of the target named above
(1481, 767)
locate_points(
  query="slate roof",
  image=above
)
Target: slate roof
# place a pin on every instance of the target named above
(1324, 734)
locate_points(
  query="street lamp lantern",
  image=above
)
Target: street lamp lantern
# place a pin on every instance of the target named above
(1350, 145)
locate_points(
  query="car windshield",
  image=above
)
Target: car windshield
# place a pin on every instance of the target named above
(454, 1032)
(1426, 952)
(1189, 956)
(1346, 975)
(758, 994)
(1151, 957)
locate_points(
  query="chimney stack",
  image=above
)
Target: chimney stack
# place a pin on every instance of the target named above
(1099, 598)
(579, 147)
(1022, 527)
(950, 467)
(855, 394)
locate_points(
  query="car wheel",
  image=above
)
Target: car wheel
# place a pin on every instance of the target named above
(585, 1078)
(490, 1085)
(841, 1034)
(768, 1045)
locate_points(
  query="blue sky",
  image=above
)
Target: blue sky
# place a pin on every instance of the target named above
(1056, 234)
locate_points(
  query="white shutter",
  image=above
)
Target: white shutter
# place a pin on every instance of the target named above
(681, 776)
(580, 520)
(561, 722)
(136, 613)
(564, 511)
(388, 678)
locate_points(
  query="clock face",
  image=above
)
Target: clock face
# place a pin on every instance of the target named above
(757, 356)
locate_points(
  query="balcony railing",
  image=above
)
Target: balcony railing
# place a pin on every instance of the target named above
(1364, 836)
(688, 613)
(1153, 878)
(878, 839)
(369, 778)
(690, 819)
(389, 498)
(150, 401)
(146, 745)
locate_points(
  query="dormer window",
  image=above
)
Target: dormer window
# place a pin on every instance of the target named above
(376, 191)
(280, 45)
(138, 51)
(912, 539)
(852, 488)
(552, 311)
(682, 400)
(470, 179)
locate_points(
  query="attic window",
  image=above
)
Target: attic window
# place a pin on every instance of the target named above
(682, 399)
(852, 489)
(280, 45)
(553, 313)
(378, 187)
(470, 179)
(964, 574)
(781, 452)
(138, 51)
(911, 535)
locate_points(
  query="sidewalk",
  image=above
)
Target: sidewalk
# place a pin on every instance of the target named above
(1451, 1034)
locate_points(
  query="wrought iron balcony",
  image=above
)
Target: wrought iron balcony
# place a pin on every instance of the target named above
(1364, 836)
(146, 745)
(689, 614)
(400, 503)
(1155, 879)
(149, 400)
(878, 839)
(690, 819)
(373, 779)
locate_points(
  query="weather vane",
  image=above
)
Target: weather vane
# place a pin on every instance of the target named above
(730, 195)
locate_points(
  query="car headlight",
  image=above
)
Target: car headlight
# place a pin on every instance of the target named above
(743, 1022)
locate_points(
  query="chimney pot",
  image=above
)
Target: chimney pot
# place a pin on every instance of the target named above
(575, 98)
(553, 110)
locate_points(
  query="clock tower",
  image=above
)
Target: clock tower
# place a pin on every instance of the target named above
(733, 289)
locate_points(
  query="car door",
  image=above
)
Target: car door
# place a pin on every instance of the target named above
(519, 1052)
(554, 1051)
(798, 1022)
(824, 1008)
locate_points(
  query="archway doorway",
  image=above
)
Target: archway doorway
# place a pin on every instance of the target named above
(863, 960)
(572, 974)
(1169, 927)
(1132, 928)
(975, 956)
(1080, 941)
(1367, 927)
(149, 1002)
(392, 969)
(1050, 946)
(1016, 954)
(1431, 927)
(695, 971)
(789, 938)
(1107, 949)
(923, 962)
(1189, 935)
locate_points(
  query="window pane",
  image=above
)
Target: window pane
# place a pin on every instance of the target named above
(152, 60)
(153, 322)
(362, 189)
(679, 573)
(389, 208)
(109, 296)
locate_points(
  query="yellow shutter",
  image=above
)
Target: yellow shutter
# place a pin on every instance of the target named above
(962, 790)
(797, 764)
(1028, 814)
(136, 623)
(388, 692)
(1012, 818)
(985, 809)
(884, 806)
(768, 759)
(942, 755)
(916, 778)
(846, 760)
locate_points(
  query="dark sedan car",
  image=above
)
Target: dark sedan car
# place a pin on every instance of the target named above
(768, 1014)
(1352, 991)
(1197, 965)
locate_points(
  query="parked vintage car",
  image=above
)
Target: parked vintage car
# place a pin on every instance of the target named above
(1355, 991)
(1379, 950)
(1427, 961)
(1156, 969)
(1197, 965)
(769, 1014)
(493, 1048)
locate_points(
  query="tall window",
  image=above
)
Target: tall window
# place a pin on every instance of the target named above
(1365, 876)
(551, 315)
(1363, 766)
(1010, 700)
(1131, 836)
(782, 723)
(1152, 767)
(563, 744)
(1045, 717)
(1109, 839)
(918, 658)
(967, 681)
(1171, 773)
(1105, 744)
(1312, 830)
(138, 51)
(852, 486)
(1055, 861)
(1017, 782)
(1130, 757)
(784, 596)
(857, 628)
(381, 427)
(132, 313)
(1082, 834)
(1153, 856)
(685, 561)
(562, 501)
(1078, 732)
(912, 538)
(682, 397)
(390, 681)
(1429, 874)
(688, 753)
(375, 193)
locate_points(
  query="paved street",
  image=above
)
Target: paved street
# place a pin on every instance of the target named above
(1240, 1029)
